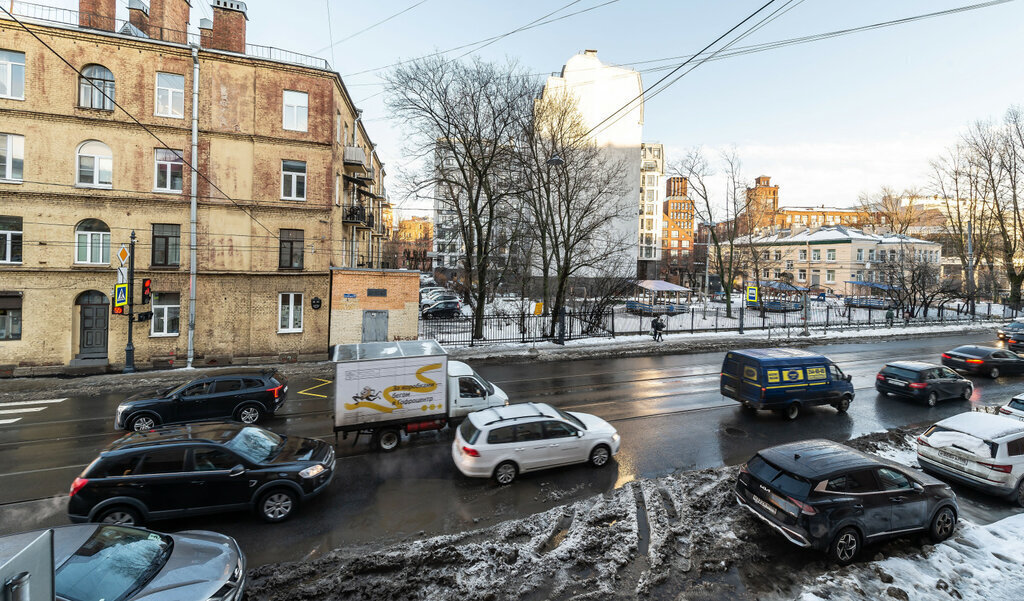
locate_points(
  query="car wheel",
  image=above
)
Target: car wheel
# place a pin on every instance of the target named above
(933, 399)
(249, 414)
(843, 405)
(844, 546)
(388, 440)
(142, 423)
(967, 392)
(600, 455)
(277, 505)
(505, 473)
(792, 411)
(122, 515)
(1019, 496)
(993, 373)
(748, 408)
(942, 525)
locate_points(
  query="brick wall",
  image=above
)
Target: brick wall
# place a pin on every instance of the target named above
(401, 303)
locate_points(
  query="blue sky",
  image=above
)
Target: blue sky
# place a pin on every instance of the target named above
(826, 120)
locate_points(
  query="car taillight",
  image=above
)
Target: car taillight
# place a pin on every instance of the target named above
(276, 390)
(804, 507)
(880, 377)
(471, 451)
(1005, 411)
(1012, 341)
(1006, 469)
(975, 361)
(918, 385)
(763, 391)
(743, 469)
(77, 485)
(921, 440)
(945, 356)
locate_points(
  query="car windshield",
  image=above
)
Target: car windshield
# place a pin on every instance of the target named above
(113, 563)
(469, 432)
(571, 418)
(1017, 404)
(178, 389)
(255, 444)
(490, 388)
(788, 484)
(899, 372)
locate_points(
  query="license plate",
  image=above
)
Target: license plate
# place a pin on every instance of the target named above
(771, 508)
(898, 383)
(960, 461)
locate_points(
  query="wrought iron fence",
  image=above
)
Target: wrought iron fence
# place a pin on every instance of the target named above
(522, 328)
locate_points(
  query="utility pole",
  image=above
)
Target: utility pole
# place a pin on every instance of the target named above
(129, 350)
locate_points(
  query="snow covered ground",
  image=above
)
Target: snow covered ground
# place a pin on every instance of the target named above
(679, 537)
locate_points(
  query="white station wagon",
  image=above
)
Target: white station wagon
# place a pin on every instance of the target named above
(502, 442)
(980, 450)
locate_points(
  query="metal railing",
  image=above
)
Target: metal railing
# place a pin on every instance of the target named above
(523, 328)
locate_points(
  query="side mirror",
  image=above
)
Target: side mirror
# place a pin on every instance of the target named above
(238, 470)
(918, 487)
(849, 378)
(579, 433)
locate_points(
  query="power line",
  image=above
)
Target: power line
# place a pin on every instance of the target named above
(365, 29)
(193, 169)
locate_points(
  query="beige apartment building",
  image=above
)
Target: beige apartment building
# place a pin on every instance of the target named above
(289, 186)
(830, 258)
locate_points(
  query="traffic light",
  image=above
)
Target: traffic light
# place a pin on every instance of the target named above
(115, 310)
(147, 291)
(145, 316)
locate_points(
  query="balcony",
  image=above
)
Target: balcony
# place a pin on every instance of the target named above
(355, 156)
(356, 214)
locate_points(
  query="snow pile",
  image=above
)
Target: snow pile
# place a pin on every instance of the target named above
(978, 562)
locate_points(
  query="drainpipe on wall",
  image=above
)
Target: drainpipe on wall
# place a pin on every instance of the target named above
(192, 209)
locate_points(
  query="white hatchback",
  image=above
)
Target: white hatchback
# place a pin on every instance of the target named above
(1015, 408)
(503, 442)
(980, 450)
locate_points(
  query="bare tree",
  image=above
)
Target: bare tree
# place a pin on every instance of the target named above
(899, 211)
(462, 118)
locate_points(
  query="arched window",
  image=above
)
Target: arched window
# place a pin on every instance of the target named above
(92, 242)
(96, 88)
(95, 164)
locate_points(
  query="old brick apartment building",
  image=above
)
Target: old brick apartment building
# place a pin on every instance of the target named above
(289, 186)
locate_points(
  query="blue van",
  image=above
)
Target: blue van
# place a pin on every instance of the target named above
(784, 380)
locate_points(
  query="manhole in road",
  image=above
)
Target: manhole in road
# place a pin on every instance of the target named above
(735, 431)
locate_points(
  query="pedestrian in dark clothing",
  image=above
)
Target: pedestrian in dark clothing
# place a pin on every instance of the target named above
(658, 325)
(906, 318)
(889, 316)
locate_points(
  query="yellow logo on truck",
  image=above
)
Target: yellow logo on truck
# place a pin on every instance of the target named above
(367, 398)
(817, 373)
(773, 376)
(750, 373)
(792, 375)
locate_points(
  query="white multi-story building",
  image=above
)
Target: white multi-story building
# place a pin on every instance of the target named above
(652, 177)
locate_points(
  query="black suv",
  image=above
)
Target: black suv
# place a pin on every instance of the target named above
(246, 396)
(992, 362)
(922, 381)
(827, 496)
(201, 468)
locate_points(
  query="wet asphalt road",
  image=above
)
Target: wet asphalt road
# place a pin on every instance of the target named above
(667, 409)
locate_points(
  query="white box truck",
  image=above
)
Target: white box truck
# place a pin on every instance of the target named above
(386, 388)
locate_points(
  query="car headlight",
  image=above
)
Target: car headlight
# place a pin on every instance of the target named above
(120, 410)
(615, 437)
(313, 472)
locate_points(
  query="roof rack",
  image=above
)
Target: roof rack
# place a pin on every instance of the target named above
(502, 418)
(183, 434)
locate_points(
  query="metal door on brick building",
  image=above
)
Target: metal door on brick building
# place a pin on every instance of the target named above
(375, 326)
(92, 340)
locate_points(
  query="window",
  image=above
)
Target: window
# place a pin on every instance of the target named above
(10, 239)
(210, 459)
(229, 385)
(92, 242)
(166, 244)
(12, 74)
(296, 110)
(337, 126)
(803, 255)
(1015, 448)
(892, 480)
(778, 255)
(675, 243)
(558, 430)
(289, 312)
(789, 265)
(816, 255)
(501, 435)
(12, 157)
(859, 482)
(830, 254)
(166, 314)
(170, 95)
(163, 461)
(830, 276)
(871, 254)
(469, 387)
(860, 254)
(169, 168)
(293, 180)
(802, 275)
(530, 431)
(96, 88)
(291, 249)
(95, 164)
(10, 316)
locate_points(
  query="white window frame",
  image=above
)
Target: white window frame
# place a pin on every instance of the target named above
(802, 254)
(7, 69)
(816, 254)
(289, 179)
(104, 238)
(830, 276)
(14, 148)
(170, 94)
(801, 275)
(830, 255)
(300, 119)
(7, 243)
(159, 164)
(98, 161)
(162, 308)
(290, 308)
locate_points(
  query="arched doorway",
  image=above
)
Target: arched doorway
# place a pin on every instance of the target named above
(94, 311)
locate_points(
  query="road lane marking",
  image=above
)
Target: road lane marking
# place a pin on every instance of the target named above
(12, 404)
(22, 410)
(323, 382)
(9, 421)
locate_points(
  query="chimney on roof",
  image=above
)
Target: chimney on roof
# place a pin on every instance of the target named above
(206, 33)
(97, 14)
(168, 20)
(138, 15)
(590, 52)
(228, 31)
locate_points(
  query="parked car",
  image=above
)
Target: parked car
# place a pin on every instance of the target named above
(503, 442)
(1015, 343)
(1010, 329)
(427, 292)
(187, 470)
(827, 496)
(977, 449)
(992, 362)
(247, 396)
(922, 381)
(1015, 408)
(119, 563)
(442, 310)
(784, 380)
(440, 297)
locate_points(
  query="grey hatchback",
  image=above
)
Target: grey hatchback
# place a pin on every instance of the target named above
(120, 563)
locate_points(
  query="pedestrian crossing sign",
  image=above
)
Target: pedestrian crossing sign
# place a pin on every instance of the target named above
(120, 295)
